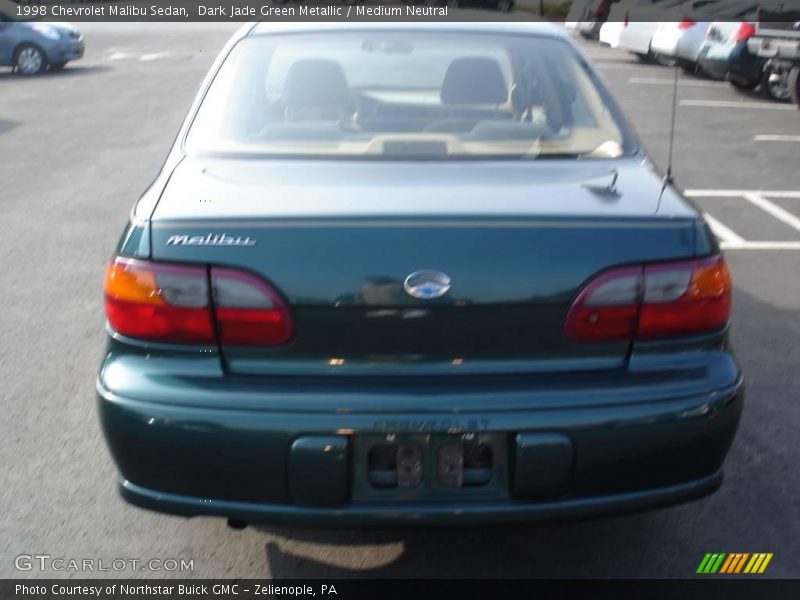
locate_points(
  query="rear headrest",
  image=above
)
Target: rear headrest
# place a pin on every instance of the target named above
(474, 80)
(316, 83)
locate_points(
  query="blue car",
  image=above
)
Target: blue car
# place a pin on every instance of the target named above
(32, 47)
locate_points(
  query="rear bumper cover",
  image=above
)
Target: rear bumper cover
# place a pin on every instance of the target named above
(232, 458)
(422, 514)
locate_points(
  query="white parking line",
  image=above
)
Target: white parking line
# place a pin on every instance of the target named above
(121, 55)
(776, 138)
(153, 56)
(761, 246)
(727, 104)
(729, 239)
(681, 82)
(776, 211)
(723, 232)
(739, 193)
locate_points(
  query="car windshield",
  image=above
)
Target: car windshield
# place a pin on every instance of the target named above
(409, 95)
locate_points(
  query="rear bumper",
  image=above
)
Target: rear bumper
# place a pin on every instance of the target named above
(722, 61)
(422, 514)
(665, 43)
(216, 447)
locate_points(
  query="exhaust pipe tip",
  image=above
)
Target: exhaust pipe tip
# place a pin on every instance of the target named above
(237, 524)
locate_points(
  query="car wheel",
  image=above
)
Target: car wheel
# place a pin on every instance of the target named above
(505, 5)
(794, 85)
(775, 84)
(30, 60)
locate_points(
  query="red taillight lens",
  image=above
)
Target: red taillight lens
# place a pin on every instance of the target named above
(248, 311)
(744, 32)
(172, 303)
(158, 302)
(697, 300)
(686, 24)
(627, 19)
(607, 308)
(652, 301)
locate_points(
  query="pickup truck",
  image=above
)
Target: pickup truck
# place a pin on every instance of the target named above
(778, 39)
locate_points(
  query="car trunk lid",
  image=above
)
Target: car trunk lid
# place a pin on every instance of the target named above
(516, 239)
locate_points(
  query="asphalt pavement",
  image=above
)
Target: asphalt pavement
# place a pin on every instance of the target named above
(77, 148)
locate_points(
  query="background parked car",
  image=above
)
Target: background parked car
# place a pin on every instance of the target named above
(681, 40)
(32, 47)
(725, 55)
(586, 17)
(627, 25)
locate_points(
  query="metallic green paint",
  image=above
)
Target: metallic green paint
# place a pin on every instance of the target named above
(239, 432)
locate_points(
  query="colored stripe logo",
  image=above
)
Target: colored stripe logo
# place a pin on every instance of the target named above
(733, 563)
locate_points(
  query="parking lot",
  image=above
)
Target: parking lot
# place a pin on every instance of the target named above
(77, 148)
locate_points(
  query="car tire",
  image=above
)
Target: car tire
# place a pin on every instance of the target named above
(794, 85)
(779, 92)
(30, 60)
(505, 5)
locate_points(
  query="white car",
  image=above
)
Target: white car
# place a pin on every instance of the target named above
(627, 28)
(682, 39)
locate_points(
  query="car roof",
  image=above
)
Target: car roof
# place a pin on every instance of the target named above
(543, 29)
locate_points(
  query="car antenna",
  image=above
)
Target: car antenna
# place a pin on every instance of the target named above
(669, 180)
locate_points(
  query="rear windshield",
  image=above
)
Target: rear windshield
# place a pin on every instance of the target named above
(413, 95)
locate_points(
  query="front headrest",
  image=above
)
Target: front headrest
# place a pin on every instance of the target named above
(474, 80)
(316, 83)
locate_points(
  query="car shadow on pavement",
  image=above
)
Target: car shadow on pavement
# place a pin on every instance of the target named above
(6, 126)
(10, 75)
(553, 549)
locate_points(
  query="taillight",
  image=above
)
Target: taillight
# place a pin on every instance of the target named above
(652, 301)
(626, 22)
(685, 298)
(686, 24)
(744, 32)
(248, 311)
(158, 302)
(606, 309)
(173, 304)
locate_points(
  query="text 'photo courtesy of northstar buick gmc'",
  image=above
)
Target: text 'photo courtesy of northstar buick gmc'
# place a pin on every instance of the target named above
(414, 273)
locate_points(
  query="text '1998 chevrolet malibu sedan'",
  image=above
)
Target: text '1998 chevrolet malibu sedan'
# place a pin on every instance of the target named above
(413, 274)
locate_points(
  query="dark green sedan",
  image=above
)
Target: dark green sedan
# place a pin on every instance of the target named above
(397, 274)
